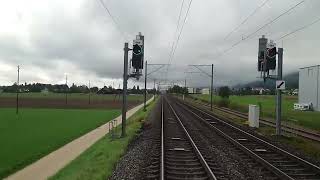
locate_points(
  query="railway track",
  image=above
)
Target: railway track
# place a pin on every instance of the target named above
(308, 134)
(281, 163)
(180, 157)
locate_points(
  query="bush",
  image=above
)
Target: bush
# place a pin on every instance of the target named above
(224, 102)
(238, 107)
(224, 92)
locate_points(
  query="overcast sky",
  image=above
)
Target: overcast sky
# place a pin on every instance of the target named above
(51, 38)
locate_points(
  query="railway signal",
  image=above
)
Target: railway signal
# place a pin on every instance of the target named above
(136, 50)
(271, 53)
(267, 60)
(137, 64)
(137, 55)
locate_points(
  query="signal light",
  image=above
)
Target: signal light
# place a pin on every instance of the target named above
(137, 57)
(271, 58)
(136, 49)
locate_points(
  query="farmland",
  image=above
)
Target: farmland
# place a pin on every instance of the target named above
(307, 119)
(74, 100)
(45, 123)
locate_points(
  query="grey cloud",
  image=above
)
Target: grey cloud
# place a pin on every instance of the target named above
(89, 41)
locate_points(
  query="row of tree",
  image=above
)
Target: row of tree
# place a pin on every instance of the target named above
(63, 88)
(177, 89)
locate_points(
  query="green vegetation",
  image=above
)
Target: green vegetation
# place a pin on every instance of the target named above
(306, 146)
(136, 97)
(240, 103)
(37, 132)
(178, 90)
(98, 162)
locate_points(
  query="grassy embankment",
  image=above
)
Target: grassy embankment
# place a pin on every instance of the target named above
(240, 103)
(37, 132)
(98, 162)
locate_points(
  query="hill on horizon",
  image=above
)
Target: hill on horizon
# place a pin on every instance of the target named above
(292, 82)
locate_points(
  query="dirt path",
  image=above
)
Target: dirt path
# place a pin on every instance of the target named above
(53, 162)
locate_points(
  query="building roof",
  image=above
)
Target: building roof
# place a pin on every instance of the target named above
(310, 66)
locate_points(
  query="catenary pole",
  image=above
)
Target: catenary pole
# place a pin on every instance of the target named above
(124, 95)
(145, 87)
(154, 89)
(66, 89)
(89, 92)
(211, 88)
(279, 100)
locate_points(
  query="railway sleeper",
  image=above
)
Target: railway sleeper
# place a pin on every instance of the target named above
(185, 178)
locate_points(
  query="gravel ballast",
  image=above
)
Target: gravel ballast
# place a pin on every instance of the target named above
(132, 164)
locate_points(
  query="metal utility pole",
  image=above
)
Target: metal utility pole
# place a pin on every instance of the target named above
(17, 108)
(66, 89)
(124, 95)
(211, 87)
(279, 99)
(154, 89)
(89, 93)
(145, 87)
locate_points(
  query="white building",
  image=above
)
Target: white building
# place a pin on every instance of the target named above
(191, 90)
(205, 91)
(309, 86)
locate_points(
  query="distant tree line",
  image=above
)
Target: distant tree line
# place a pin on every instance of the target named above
(63, 88)
(177, 89)
(36, 87)
(225, 91)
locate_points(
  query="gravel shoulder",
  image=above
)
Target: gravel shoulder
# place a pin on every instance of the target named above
(132, 164)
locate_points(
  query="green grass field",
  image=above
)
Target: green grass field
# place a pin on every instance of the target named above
(135, 97)
(37, 132)
(98, 162)
(304, 118)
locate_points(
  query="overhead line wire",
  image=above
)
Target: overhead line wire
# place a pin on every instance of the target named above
(262, 27)
(300, 28)
(177, 28)
(184, 22)
(113, 20)
(246, 19)
(176, 44)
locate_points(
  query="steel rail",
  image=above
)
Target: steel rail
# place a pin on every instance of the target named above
(269, 166)
(284, 152)
(162, 143)
(195, 148)
(289, 129)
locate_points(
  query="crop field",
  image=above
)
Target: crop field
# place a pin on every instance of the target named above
(37, 132)
(46, 122)
(74, 100)
(305, 118)
(83, 96)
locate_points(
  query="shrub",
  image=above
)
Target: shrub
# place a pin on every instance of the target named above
(224, 92)
(223, 102)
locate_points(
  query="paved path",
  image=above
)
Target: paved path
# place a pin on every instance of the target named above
(53, 162)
